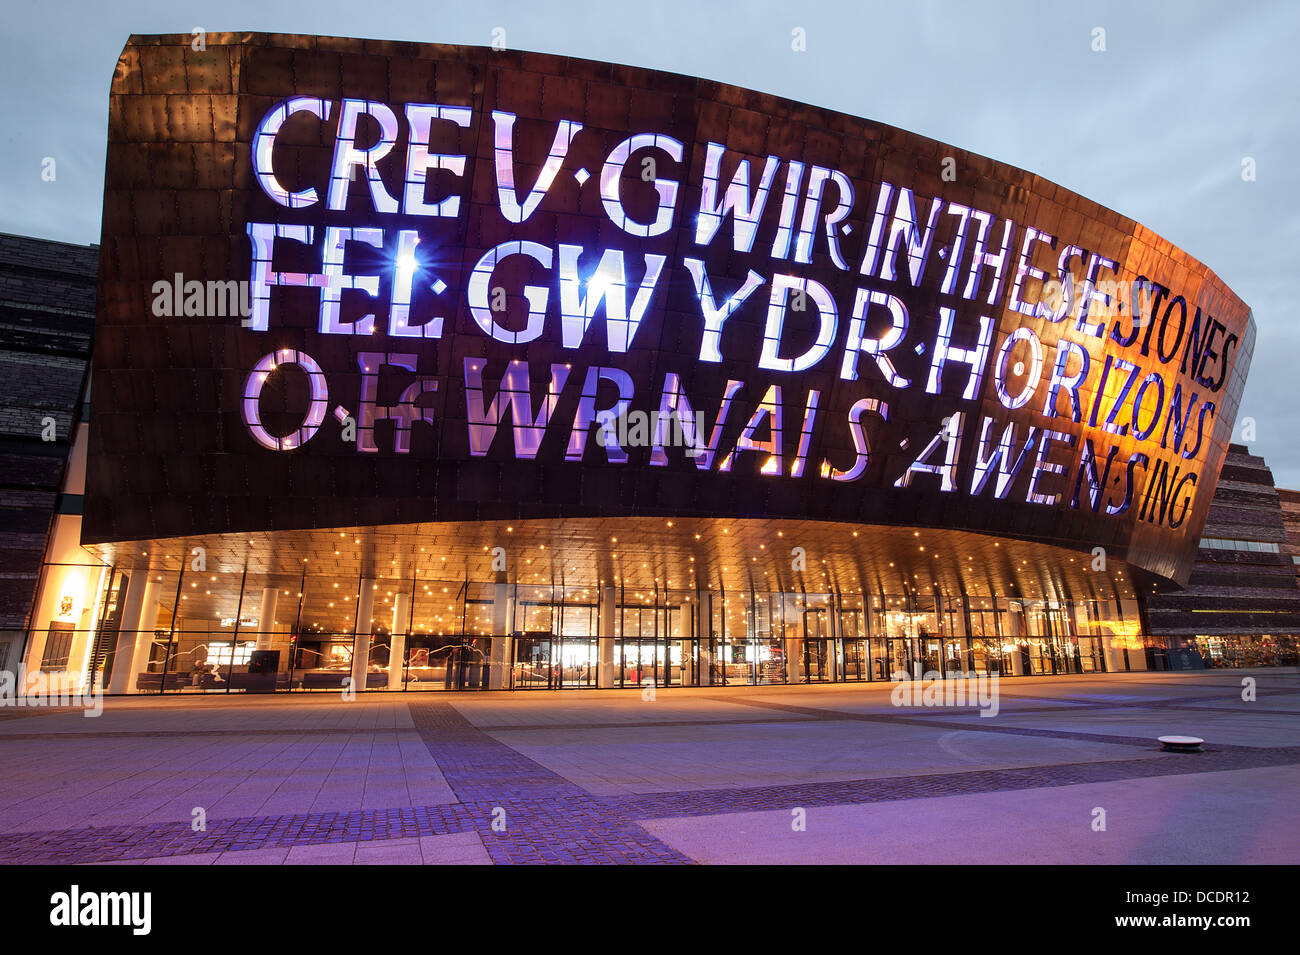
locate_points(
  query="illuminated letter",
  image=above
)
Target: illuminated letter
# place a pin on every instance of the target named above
(856, 343)
(1187, 500)
(1140, 433)
(263, 236)
(315, 410)
(1064, 349)
(1088, 295)
(860, 443)
(419, 161)
(1088, 469)
(1206, 408)
(781, 286)
(1137, 459)
(704, 456)
(812, 205)
(868, 266)
(770, 408)
(399, 308)
(1178, 416)
(405, 413)
(987, 454)
(981, 259)
(1066, 279)
(477, 293)
(336, 280)
(674, 406)
(736, 200)
(789, 201)
(805, 433)
(962, 213)
(1023, 268)
(347, 155)
(612, 171)
(1110, 423)
(1032, 374)
(715, 315)
(608, 283)
(1140, 296)
(903, 225)
(950, 437)
(505, 165)
(944, 351)
(586, 414)
(264, 148)
(1041, 465)
(513, 394)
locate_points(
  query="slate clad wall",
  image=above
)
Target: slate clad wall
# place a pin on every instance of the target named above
(1290, 501)
(47, 311)
(1239, 592)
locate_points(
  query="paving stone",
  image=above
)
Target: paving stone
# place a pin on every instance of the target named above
(346, 777)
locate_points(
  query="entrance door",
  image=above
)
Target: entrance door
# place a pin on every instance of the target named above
(576, 660)
(1065, 642)
(985, 642)
(1090, 658)
(673, 649)
(954, 656)
(853, 638)
(855, 660)
(818, 664)
(899, 657)
(667, 647)
(929, 648)
(532, 665)
(653, 648)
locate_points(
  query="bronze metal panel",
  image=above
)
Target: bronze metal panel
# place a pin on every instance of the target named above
(172, 455)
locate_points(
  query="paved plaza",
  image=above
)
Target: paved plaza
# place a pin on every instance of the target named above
(770, 774)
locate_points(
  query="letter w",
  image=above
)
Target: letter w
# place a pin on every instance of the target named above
(514, 394)
(608, 284)
(735, 200)
(988, 454)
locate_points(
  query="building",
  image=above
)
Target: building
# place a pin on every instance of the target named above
(421, 366)
(1242, 604)
(47, 308)
(1290, 503)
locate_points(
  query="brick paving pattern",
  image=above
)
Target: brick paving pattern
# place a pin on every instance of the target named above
(549, 819)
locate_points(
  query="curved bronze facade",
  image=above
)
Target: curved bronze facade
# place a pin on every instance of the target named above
(459, 258)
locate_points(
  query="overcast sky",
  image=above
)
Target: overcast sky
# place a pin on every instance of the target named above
(1156, 127)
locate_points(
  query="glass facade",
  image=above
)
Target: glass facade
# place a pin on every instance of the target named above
(1247, 650)
(185, 631)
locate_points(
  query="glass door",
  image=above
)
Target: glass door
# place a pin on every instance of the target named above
(1065, 644)
(817, 660)
(1043, 659)
(669, 650)
(985, 642)
(651, 651)
(898, 657)
(577, 661)
(532, 663)
(856, 660)
(536, 655)
(929, 645)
